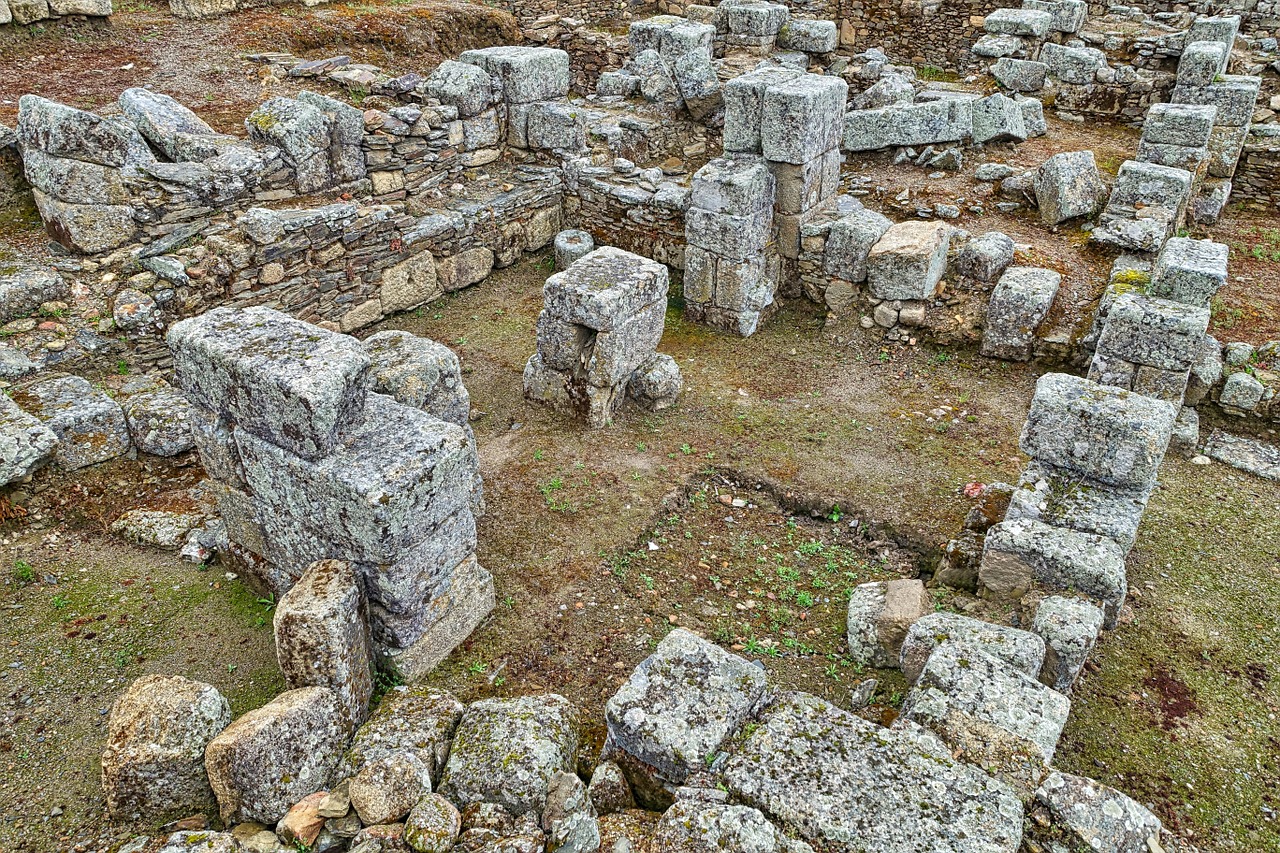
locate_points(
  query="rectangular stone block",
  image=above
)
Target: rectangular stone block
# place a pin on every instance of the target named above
(1077, 65)
(1189, 271)
(617, 353)
(1222, 29)
(402, 585)
(1068, 16)
(646, 34)
(556, 126)
(1201, 62)
(803, 187)
(382, 488)
(1194, 160)
(1018, 22)
(849, 243)
(1234, 96)
(908, 261)
(1020, 302)
(809, 36)
(744, 285)
(744, 106)
(947, 120)
(1225, 146)
(699, 275)
(1179, 124)
(1106, 434)
(740, 185)
(1153, 332)
(604, 288)
(469, 601)
(285, 381)
(728, 236)
(1063, 498)
(527, 74)
(803, 117)
(756, 19)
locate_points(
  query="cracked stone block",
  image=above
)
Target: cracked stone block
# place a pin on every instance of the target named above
(1063, 498)
(1021, 553)
(414, 719)
(527, 74)
(744, 106)
(1106, 434)
(656, 384)
(879, 615)
(1098, 817)
(1194, 160)
(1019, 75)
(680, 705)
(1069, 627)
(1022, 650)
(801, 188)
(25, 443)
(1235, 97)
(997, 717)
(322, 637)
(302, 132)
(174, 129)
(285, 381)
(694, 75)
(1020, 302)
(421, 373)
(422, 571)
(1068, 186)
(389, 481)
(153, 764)
(1189, 271)
(1179, 124)
(505, 752)
(908, 260)
(1201, 62)
(1019, 22)
(272, 757)
(1068, 15)
(986, 257)
(809, 36)
(735, 186)
(89, 425)
(835, 780)
(926, 123)
(802, 118)
(463, 85)
(697, 826)
(74, 181)
(849, 243)
(607, 286)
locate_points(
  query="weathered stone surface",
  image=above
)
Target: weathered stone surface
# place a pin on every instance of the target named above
(24, 291)
(1022, 650)
(463, 85)
(526, 74)
(387, 788)
(1001, 719)
(1107, 434)
(302, 824)
(609, 790)
(1063, 497)
(1242, 392)
(1155, 332)
(1067, 186)
(1179, 124)
(1201, 62)
(908, 261)
(159, 419)
(86, 228)
(1019, 75)
(656, 384)
(926, 123)
(156, 528)
(322, 638)
(836, 780)
(850, 241)
(302, 132)
(62, 131)
(410, 283)
(465, 268)
(1205, 372)
(736, 186)
(201, 841)
(808, 36)
(413, 719)
(1020, 302)
(1019, 22)
(1069, 627)
(280, 379)
(997, 118)
(1068, 15)
(679, 706)
(153, 764)
(1189, 271)
(89, 425)
(694, 75)
(571, 245)
(433, 825)
(505, 751)
(74, 181)
(1021, 552)
(1099, 818)
(879, 615)
(1246, 454)
(695, 826)
(569, 818)
(25, 443)
(270, 758)
(421, 373)
(1234, 96)
(802, 118)
(986, 257)
(167, 124)
(1146, 206)
(744, 106)
(605, 287)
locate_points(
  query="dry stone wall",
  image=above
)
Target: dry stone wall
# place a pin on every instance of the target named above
(18, 13)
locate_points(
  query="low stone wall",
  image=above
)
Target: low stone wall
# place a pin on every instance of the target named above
(1257, 177)
(918, 32)
(22, 12)
(591, 51)
(629, 216)
(529, 11)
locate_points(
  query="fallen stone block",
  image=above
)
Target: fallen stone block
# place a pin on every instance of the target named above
(24, 291)
(1246, 454)
(1225, 147)
(272, 757)
(62, 131)
(849, 242)
(809, 36)
(90, 426)
(410, 718)
(1018, 22)
(1069, 627)
(997, 118)
(322, 637)
(1179, 124)
(835, 780)
(1206, 372)
(505, 752)
(1032, 115)
(1201, 62)
(1098, 817)
(985, 257)
(694, 75)
(1241, 392)
(1022, 553)
(153, 528)
(1075, 65)
(463, 85)
(1068, 186)
(678, 707)
(1106, 434)
(25, 443)
(656, 384)
(178, 132)
(86, 228)
(420, 373)
(158, 417)
(928, 123)
(1234, 96)
(609, 790)
(1022, 650)
(879, 615)
(1068, 15)
(153, 764)
(201, 841)
(1020, 302)
(1019, 75)
(908, 260)
(1189, 271)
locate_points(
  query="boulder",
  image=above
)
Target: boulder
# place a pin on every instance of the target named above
(89, 425)
(505, 752)
(272, 757)
(413, 718)
(153, 764)
(656, 384)
(1098, 817)
(986, 257)
(433, 825)
(159, 419)
(178, 132)
(609, 790)
(387, 788)
(997, 118)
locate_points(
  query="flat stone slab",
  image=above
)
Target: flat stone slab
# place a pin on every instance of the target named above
(1020, 649)
(1063, 498)
(90, 426)
(285, 381)
(1250, 455)
(837, 780)
(605, 288)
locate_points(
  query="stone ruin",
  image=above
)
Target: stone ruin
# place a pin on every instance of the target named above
(346, 474)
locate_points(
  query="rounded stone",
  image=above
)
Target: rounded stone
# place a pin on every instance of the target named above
(571, 245)
(433, 825)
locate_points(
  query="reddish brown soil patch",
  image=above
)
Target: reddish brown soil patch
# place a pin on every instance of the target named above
(1175, 698)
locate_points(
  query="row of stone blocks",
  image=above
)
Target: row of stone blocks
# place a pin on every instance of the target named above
(324, 448)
